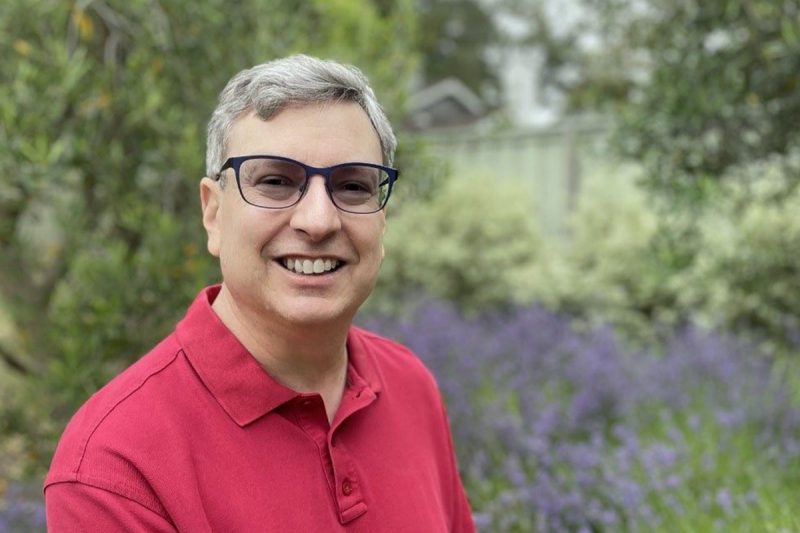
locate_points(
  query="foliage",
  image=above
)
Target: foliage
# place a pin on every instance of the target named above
(729, 263)
(699, 87)
(422, 175)
(606, 272)
(481, 249)
(563, 431)
(103, 107)
(455, 38)
(746, 275)
(473, 243)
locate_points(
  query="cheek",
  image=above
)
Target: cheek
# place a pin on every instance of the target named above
(375, 247)
(371, 237)
(249, 230)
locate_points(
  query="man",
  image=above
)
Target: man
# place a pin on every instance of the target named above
(265, 410)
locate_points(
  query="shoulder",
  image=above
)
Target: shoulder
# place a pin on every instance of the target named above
(385, 345)
(395, 363)
(93, 447)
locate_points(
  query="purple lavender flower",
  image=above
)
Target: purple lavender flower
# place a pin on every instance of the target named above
(22, 509)
(550, 421)
(725, 500)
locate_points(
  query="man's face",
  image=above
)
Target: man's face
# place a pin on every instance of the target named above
(255, 244)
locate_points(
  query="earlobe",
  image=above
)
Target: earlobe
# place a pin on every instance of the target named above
(211, 204)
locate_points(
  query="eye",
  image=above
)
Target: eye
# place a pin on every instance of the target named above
(355, 186)
(274, 180)
(271, 174)
(355, 180)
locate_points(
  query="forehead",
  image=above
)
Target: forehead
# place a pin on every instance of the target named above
(318, 134)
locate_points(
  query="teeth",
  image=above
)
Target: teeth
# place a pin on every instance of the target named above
(308, 266)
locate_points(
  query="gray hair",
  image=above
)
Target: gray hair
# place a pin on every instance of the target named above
(270, 87)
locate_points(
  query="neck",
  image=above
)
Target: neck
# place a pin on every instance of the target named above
(305, 358)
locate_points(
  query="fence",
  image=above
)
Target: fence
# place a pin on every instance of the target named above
(547, 164)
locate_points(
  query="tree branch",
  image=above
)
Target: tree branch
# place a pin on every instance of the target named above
(12, 361)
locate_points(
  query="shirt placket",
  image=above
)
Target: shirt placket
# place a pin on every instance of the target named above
(339, 466)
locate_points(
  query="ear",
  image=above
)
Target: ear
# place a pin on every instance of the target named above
(211, 204)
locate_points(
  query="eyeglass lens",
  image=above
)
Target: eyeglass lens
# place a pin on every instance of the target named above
(275, 183)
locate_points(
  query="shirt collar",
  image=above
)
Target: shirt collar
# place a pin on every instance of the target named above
(235, 378)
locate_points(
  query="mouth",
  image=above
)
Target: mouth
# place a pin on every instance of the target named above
(310, 267)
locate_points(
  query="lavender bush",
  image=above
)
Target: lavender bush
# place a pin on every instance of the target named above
(22, 509)
(560, 430)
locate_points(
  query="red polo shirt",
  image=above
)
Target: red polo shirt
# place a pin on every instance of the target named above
(197, 437)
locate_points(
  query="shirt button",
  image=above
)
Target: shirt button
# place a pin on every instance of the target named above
(347, 487)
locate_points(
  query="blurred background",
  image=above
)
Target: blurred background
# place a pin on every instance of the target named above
(594, 243)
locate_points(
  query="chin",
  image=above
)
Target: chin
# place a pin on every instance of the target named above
(320, 314)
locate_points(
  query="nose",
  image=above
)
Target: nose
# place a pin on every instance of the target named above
(315, 215)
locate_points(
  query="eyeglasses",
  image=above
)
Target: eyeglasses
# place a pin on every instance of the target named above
(276, 182)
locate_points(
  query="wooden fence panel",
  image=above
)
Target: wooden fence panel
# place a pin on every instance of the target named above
(547, 164)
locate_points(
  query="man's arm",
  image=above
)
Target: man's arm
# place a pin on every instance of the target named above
(75, 507)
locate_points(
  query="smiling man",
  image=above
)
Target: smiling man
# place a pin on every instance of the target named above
(265, 409)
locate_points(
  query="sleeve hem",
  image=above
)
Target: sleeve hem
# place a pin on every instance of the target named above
(118, 489)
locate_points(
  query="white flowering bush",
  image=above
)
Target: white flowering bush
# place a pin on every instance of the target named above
(729, 262)
(606, 270)
(474, 243)
(747, 273)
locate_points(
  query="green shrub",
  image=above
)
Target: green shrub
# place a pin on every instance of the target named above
(730, 262)
(618, 266)
(102, 245)
(643, 269)
(473, 243)
(747, 276)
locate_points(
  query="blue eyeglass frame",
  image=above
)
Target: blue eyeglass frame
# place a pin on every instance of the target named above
(236, 163)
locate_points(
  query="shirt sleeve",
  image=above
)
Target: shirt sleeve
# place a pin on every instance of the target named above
(462, 516)
(462, 513)
(75, 507)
